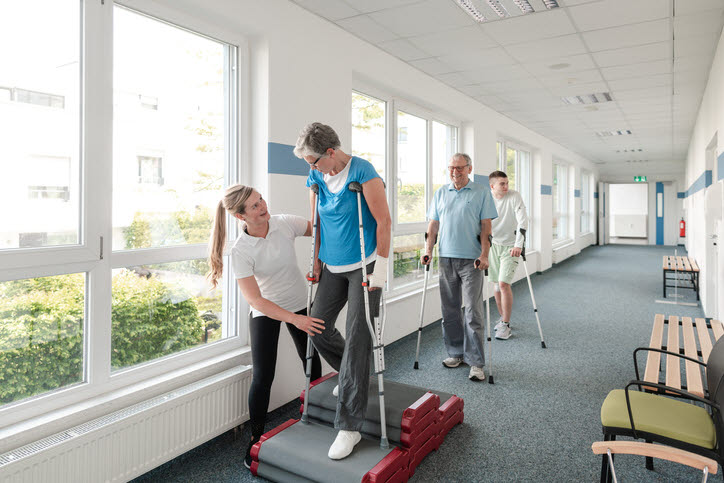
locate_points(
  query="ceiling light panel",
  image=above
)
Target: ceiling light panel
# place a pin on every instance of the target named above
(485, 11)
(622, 132)
(596, 98)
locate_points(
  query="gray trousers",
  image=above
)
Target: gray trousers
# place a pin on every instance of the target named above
(462, 329)
(351, 359)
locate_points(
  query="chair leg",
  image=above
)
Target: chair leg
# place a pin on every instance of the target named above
(606, 476)
(649, 461)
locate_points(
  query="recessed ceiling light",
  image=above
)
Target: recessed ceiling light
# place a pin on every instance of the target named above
(524, 6)
(497, 8)
(588, 98)
(470, 9)
(613, 133)
(550, 4)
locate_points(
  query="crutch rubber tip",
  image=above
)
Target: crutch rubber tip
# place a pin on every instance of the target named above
(543, 344)
(417, 366)
(490, 379)
(489, 339)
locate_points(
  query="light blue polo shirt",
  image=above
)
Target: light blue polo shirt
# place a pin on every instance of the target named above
(459, 214)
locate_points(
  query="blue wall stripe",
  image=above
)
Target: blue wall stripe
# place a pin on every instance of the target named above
(595, 194)
(283, 161)
(659, 219)
(481, 179)
(546, 189)
(701, 182)
(577, 193)
(720, 166)
(681, 194)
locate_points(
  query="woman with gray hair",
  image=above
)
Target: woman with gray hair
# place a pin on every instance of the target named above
(340, 281)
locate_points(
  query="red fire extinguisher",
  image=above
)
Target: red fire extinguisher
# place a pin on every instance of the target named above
(682, 228)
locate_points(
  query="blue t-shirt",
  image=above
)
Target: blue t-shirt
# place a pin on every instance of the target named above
(338, 218)
(459, 214)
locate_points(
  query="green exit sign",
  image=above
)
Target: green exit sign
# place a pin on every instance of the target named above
(640, 179)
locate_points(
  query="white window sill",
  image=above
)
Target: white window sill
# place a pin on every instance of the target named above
(562, 244)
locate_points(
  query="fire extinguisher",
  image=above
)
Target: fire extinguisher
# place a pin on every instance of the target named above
(682, 228)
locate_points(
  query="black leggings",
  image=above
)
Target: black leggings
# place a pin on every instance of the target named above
(264, 341)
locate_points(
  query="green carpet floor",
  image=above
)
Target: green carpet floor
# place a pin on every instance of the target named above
(537, 422)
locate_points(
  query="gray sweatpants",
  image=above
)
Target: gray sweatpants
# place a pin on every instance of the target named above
(462, 330)
(353, 358)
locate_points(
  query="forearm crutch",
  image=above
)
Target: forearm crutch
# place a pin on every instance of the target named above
(530, 287)
(428, 260)
(491, 379)
(310, 283)
(376, 330)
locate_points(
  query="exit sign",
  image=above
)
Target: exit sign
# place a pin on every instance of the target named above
(640, 179)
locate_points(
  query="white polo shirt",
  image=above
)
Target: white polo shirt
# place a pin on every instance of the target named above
(273, 262)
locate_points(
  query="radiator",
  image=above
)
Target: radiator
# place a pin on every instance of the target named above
(127, 443)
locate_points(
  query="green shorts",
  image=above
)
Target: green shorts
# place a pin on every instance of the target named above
(502, 264)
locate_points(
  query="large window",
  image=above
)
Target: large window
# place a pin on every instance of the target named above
(514, 161)
(586, 215)
(560, 202)
(423, 146)
(113, 187)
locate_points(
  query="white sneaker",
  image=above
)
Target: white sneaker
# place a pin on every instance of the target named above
(343, 444)
(335, 391)
(504, 333)
(476, 373)
(499, 325)
(451, 362)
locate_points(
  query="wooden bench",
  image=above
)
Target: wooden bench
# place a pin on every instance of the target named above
(687, 267)
(695, 340)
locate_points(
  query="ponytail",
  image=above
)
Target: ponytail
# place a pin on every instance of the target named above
(233, 202)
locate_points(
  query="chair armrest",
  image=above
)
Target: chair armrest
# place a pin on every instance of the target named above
(656, 451)
(662, 351)
(663, 387)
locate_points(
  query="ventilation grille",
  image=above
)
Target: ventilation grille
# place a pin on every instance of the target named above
(588, 98)
(491, 10)
(604, 134)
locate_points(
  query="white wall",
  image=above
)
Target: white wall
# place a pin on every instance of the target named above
(700, 225)
(303, 69)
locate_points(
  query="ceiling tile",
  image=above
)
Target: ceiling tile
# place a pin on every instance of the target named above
(483, 58)
(628, 35)
(696, 45)
(499, 73)
(431, 66)
(374, 5)
(474, 90)
(331, 9)
(403, 49)
(572, 78)
(367, 29)
(565, 45)
(637, 70)
(463, 40)
(641, 82)
(709, 22)
(623, 95)
(422, 18)
(525, 28)
(692, 6)
(513, 85)
(633, 55)
(560, 65)
(579, 89)
(454, 79)
(614, 13)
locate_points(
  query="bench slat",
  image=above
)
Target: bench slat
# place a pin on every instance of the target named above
(693, 372)
(680, 264)
(653, 360)
(694, 265)
(704, 339)
(687, 267)
(673, 366)
(666, 262)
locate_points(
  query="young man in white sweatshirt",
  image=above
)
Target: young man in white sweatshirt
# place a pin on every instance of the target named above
(507, 246)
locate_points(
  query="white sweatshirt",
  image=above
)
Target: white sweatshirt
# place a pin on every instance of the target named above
(511, 217)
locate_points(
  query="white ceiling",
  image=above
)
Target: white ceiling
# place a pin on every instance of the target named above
(652, 56)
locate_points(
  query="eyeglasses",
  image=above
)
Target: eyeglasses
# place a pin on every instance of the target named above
(459, 169)
(314, 164)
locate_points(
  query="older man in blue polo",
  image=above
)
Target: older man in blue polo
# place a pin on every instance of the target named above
(460, 215)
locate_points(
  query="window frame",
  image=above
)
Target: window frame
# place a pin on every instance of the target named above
(393, 104)
(586, 177)
(504, 143)
(93, 254)
(563, 209)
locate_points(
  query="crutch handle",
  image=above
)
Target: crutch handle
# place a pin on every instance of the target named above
(477, 264)
(426, 261)
(522, 252)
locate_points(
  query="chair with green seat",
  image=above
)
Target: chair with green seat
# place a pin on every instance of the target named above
(661, 419)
